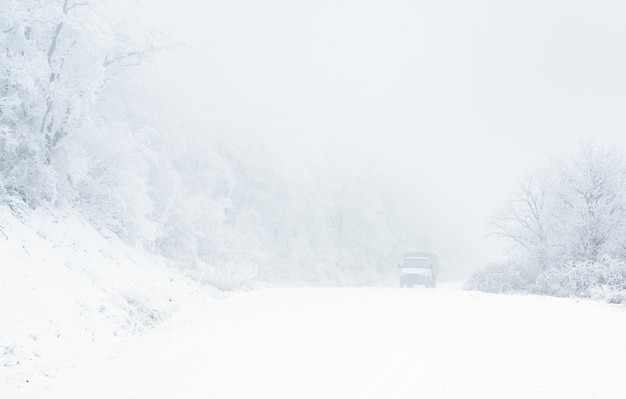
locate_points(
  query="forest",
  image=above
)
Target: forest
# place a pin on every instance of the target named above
(93, 121)
(82, 129)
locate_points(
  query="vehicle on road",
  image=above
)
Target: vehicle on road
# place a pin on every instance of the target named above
(419, 268)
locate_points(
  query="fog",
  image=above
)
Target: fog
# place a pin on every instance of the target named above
(455, 101)
(192, 171)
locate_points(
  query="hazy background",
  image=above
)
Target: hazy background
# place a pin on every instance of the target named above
(464, 98)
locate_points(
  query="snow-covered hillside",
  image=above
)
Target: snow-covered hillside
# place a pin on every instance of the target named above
(363, 343)
(68, 292)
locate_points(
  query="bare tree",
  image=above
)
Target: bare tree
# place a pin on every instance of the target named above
(525, 222)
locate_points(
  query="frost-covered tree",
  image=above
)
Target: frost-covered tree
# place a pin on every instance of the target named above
(568, 224)
(56, 57)
(573, 211)
(65, 135)
(592, 193)
(25, 76)
(526, 221)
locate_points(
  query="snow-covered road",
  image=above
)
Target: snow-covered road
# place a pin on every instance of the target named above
(366, 343)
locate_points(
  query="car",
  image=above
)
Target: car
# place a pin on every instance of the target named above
(419, 268)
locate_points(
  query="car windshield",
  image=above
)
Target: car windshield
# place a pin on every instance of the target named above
(416, 262)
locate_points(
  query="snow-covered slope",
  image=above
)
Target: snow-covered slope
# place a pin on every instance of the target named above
(365, 343)
(68, 293)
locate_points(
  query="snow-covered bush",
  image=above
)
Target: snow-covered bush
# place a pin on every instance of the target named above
(505, 277)
(604, 279)
(226, 274)
(552, 282)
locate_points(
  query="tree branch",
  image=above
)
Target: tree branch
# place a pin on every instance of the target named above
(67, 7)
(53, 45)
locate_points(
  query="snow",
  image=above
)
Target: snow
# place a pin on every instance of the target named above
(84, 316)
(69, 294)
(365, 343)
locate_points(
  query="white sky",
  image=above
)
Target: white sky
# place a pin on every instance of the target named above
(466, 97)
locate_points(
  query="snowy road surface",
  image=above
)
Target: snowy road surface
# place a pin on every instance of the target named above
(366, 343)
